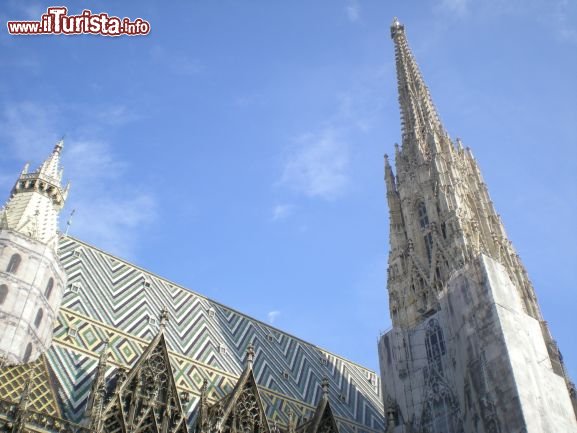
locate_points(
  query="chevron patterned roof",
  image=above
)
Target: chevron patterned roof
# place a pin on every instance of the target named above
(110, 299)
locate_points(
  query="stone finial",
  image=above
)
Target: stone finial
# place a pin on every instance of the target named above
(59, 145)
(292, 424)
(459, 144)
(163, 317)
(325, 387)
(396, 27)
(25, 169)
(204, 387)
(104, 353)
(249, 355)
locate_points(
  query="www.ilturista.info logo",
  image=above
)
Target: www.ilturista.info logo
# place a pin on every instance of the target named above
(56, 21)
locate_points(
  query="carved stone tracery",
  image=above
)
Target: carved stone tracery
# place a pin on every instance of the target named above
(146, 400)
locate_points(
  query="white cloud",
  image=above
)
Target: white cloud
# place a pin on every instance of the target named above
(116, 115)
(459, 7)
(109, 212)
(318, 165)
(272, 316)
(353, 10)
(282, 211)
(28, 128)
(88, 160)
(112, 223)
(563, 23)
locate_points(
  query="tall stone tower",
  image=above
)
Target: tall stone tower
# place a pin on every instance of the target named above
(469, 350)
(31, 278)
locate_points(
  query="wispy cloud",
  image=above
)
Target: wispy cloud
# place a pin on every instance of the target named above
(26, 127)
(116, 115)
(282, 211)
(557, 15)
(353, 10)
(109, 211)
(113, 223)
(318, 165)
(272, 316)
(459, 7)
(564, 25)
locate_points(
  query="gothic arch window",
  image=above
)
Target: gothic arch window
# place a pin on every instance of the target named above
(3, 293)
(423, 217)
(49, 288)
(14, 264)
(429, 245)
(440, 412)
(441, 416)
(27, 352)
(435, 344)
(38, 319)
(424, 224)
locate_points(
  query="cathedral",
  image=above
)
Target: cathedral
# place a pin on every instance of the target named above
(90, 343)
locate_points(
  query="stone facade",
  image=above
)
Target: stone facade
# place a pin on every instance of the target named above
(447, 366)
(32, 279)
(479, 363)
(30, 296)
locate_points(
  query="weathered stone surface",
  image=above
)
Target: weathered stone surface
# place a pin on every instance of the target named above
(495, 364)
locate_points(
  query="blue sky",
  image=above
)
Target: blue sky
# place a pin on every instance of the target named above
(238, 148)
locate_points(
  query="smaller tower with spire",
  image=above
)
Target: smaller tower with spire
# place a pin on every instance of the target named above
(32, 279)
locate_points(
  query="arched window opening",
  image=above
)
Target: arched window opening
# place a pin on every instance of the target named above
(429, 246)
(438, 272)
(27, 352)
(441, 416)
(444, 230)
(441, 413)
(49, 288)
(3, 293)
(14, 264)
(423, 217)
(435, 344)
(38, 319)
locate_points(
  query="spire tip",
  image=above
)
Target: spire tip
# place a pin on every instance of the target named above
(59, 145)
(396, 27)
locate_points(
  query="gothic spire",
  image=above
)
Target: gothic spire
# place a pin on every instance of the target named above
(51, 167)
(98, 393)
(440, 211)
(36, 200)
(419, 117)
